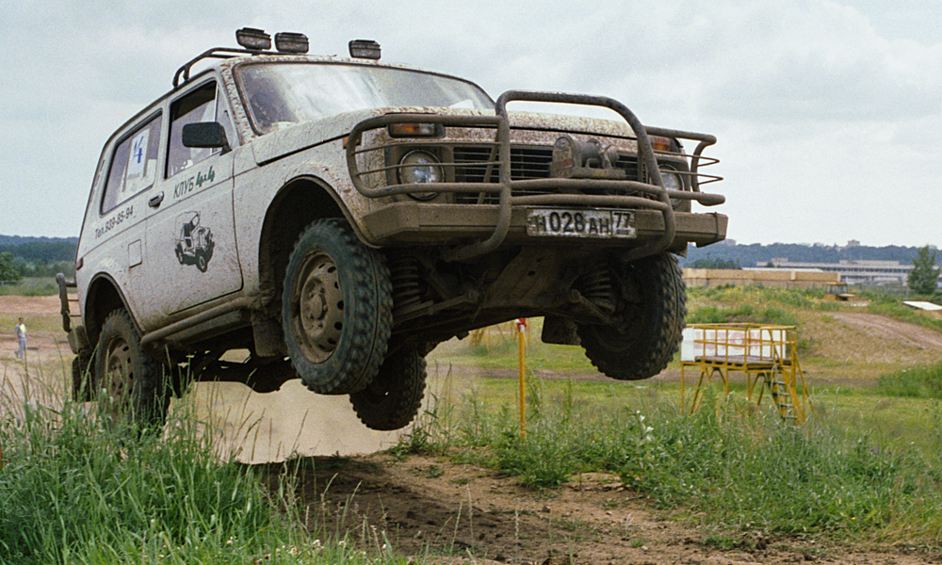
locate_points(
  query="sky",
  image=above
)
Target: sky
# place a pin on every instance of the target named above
(828, 113)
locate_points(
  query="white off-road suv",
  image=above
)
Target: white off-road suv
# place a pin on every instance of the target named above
(337, 218)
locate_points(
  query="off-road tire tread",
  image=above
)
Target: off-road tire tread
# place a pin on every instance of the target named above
(363, 272)
(394, 397)
(664, 292)
(151, 394)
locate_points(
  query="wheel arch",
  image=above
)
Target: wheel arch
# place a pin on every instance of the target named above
(294, 207)
(102, 298)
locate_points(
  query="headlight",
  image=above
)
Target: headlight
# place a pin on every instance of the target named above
(672, 181)
(419, 167)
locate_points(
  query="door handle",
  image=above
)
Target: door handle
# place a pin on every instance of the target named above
(155, 200)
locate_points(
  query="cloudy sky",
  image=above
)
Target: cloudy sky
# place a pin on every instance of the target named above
(828, 112)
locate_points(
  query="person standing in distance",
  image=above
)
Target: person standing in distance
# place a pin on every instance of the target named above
(20, 329)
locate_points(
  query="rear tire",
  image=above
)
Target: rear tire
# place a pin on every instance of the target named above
(130, 385)
(83, 383)
(651, 303)
(336, 309)
(392, 400)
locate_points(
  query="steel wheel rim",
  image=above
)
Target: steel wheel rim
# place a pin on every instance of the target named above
(319, 308)
(119, 378)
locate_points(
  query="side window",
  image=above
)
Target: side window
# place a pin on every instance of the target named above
(197, 106)
(133, 165)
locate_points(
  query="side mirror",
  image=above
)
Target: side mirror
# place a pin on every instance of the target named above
(205, 135)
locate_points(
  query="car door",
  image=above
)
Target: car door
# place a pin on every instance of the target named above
(113, 234)
(191, 253)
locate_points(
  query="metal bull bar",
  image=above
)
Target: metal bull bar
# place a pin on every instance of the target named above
(504, 187)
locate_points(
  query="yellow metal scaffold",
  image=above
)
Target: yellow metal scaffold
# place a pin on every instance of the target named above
(763, 352)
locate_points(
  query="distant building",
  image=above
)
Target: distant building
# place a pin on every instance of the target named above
(761, 277)
(851, 272)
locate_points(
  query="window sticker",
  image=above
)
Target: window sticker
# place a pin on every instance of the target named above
(138, 155)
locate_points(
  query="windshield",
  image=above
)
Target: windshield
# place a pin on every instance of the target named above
(281, 94)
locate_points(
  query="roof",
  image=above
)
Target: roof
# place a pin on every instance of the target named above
(919, 305)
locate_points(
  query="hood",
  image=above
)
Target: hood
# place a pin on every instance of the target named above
(298, 137)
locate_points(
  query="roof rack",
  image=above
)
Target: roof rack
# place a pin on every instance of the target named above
(255, 42)
(215, 53)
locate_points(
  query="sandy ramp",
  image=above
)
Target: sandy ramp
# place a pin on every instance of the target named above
(293, 421)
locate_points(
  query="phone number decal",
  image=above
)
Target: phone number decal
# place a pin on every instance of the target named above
(115, 221)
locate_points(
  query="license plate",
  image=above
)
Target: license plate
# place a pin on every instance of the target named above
(581, 223)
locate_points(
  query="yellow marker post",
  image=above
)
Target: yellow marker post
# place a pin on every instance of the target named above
(521, 355)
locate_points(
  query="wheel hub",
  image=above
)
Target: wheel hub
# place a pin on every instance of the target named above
(320, 308)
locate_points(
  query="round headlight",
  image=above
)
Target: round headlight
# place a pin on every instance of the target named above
(419, 167)
(672, 181)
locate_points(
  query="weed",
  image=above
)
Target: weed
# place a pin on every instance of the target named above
(721, 542)
(913, 382)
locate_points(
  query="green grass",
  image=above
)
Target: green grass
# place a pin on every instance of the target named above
(500, 352)
(740, 466)
(30, 286)
(745, 313)
(913, 382)
(71, 492)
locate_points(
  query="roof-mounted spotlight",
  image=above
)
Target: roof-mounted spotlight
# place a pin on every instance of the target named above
(287, 42)
(253, 39)
(365, 49)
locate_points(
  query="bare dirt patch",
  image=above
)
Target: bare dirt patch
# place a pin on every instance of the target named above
(881, 328)
(428, 506)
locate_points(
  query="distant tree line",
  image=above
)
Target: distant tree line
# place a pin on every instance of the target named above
(757, 254)
(714, 263)
(36, 257)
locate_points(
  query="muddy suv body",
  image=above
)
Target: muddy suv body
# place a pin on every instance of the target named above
(337, 218)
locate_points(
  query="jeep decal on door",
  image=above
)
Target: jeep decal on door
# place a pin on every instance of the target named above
(194, 244)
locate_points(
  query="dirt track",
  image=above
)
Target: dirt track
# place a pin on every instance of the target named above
(882, 328)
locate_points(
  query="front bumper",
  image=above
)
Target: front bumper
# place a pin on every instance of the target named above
(415, 223)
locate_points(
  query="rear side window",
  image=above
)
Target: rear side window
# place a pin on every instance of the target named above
(133, 165)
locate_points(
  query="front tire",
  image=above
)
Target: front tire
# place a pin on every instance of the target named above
(393, 398)
(131, 389)
(336, 309)
(651, 303)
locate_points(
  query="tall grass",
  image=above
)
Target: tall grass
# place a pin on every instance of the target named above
(924, 381)
(73, 492)
(70, 492)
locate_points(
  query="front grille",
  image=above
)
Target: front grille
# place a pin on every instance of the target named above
(475, 162)
(471, 163)
(530, 162)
